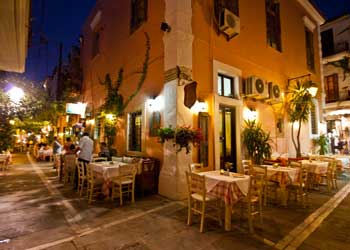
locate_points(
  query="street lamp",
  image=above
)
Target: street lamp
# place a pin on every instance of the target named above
(15, 94)
(312, 91)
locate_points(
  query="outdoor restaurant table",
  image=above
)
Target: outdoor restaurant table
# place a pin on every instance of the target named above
(283, 176)
(107, 170)
(228, 188)
(315, 167)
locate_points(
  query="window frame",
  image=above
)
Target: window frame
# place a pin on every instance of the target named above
(335, 82)
(273, 24)
(314, 118)
(134, 137)
(310, 49)
(223, 76)
(96, 41)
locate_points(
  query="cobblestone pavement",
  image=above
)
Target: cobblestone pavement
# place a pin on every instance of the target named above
(37, 212)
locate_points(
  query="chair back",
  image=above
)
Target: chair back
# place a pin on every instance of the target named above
(332, 167)
(90, 173)
(196, 167)
(197, 184)
(127, 172)
(69, 161)
(81, 170)
(246, 166)
(303, 176)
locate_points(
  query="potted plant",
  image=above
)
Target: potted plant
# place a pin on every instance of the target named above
(322, 141)
(256, 141)
(182, 137)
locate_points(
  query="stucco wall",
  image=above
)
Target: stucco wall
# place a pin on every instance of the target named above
(119, 48)
(250, 53)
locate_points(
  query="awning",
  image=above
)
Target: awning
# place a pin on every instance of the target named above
(14, 29)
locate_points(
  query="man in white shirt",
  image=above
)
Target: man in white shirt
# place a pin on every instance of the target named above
(84, 149)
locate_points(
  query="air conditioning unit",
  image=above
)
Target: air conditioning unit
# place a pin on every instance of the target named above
(275, 94)
(229, 23)
(255, 87)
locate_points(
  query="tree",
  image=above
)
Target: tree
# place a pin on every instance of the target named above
(299, 107)
(6, 113)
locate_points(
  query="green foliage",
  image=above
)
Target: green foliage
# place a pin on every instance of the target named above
(114, 101)
(298, 109)
(323, 142)
(256, 141)
(182, 136)
(343, 64)
(6, 129)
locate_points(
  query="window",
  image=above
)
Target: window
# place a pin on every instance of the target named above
(134, 131)
(314, 122)
(95, 43)
(203, 124)
(327, 42)
(225, 85)
(138, 14)
(231, 5)
(331, 88)
(310, 55)
(273, 24)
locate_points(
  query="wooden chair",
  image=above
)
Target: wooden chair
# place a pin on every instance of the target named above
(295, 164)
(261, 180)
(300, 188)
(198, 199)
(81, 177)
(3, 162)
(94, 185)
(70, 162)
(124, 183)
(330, 178)
(99, 159)
(253, 202)
(196, 167)
(246, 166)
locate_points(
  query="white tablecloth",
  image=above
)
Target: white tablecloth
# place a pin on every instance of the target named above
(316, 167)
(214, 177)
(291, 172)
(108, 169)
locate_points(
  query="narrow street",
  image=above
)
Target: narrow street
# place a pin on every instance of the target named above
(37, 212)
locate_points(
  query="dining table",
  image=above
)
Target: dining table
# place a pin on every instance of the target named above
(229, 187)
(108, 170)
(283, 176)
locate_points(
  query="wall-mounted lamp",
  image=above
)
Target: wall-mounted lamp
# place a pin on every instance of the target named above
(199, 106)
(312, 91)
(250, 114)
(165, 27)
(155, 104)
(110, 117)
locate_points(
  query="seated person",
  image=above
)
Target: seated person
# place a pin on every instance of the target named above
(69, 147)
(104, 152)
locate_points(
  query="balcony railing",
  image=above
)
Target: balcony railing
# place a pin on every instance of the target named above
(343, 95)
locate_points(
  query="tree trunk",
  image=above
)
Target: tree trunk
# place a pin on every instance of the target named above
(293, 140)
(298, 140)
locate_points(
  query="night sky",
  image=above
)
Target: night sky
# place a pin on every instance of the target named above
(63, 19)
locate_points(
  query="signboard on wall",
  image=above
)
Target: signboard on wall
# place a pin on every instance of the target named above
(76, 108)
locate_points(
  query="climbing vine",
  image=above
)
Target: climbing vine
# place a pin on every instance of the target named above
(342, 63)
(114, 101)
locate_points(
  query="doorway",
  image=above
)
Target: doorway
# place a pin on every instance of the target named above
(227, 133)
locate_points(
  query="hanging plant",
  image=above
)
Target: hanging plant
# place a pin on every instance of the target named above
(182, 137)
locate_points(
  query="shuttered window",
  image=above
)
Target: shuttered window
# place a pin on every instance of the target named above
(314, 122)
(310, 55)
(331, 88)
(138, 14)
(95, 43)
(134, 131)
(273, 24)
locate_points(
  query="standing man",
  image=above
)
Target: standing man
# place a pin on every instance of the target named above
(85, 149)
